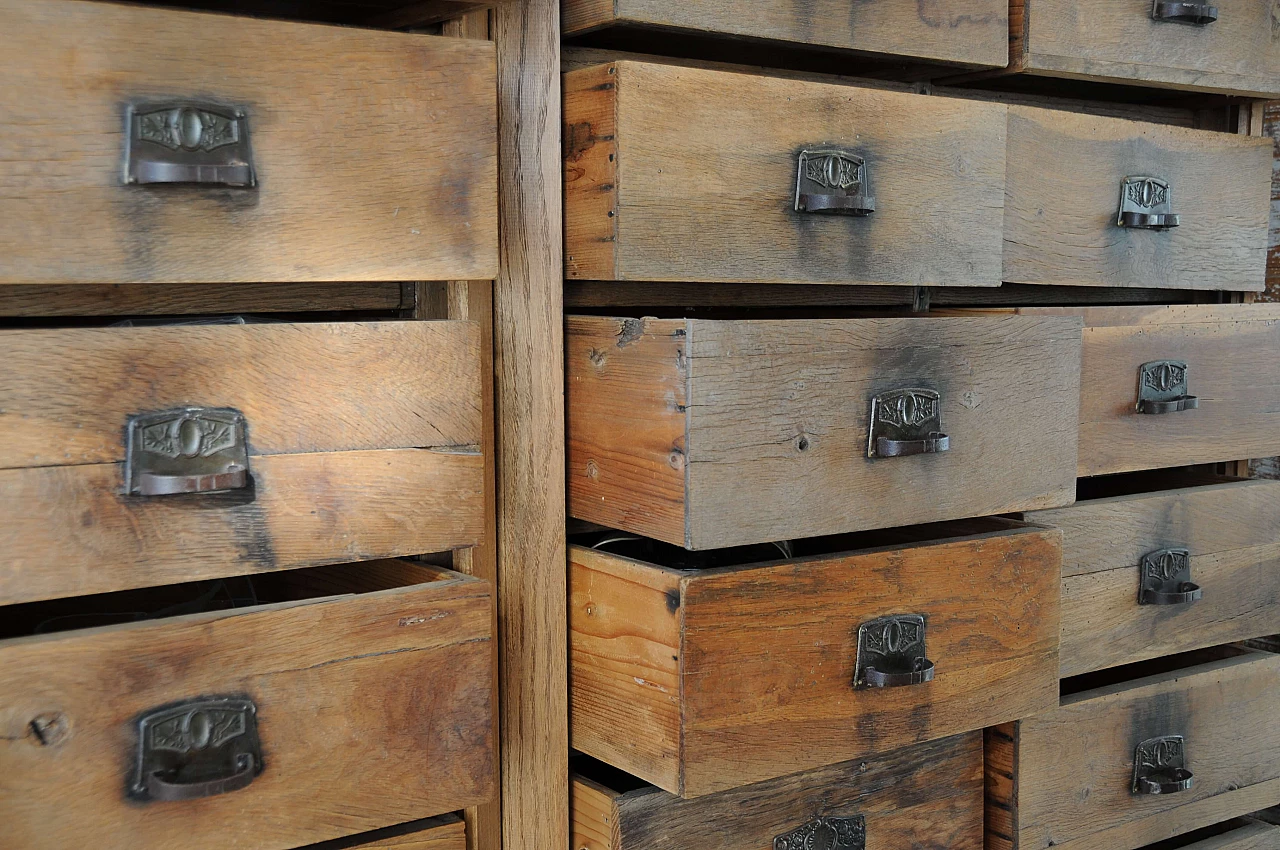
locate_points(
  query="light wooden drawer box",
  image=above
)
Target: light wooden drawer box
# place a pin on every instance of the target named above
(361, 443)
(1121, 42)
(1227, 535)
(374, 154)
(974, 36)
(684, 174)
(1227, 351)
(926, 797)
(446, 832)
(1061, 223)
(1065, 778)
(367, 687)
(722, 433)
(705, 673)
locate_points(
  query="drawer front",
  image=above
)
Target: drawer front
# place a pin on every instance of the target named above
(359, 155)
(1236, 385)
(386, 720)
(717, 200)
(1122, 42)
(926, 797)
(694, 432)
(1223, 538)
(1064, 779)
(706, 680)
(974, 35)
(1060, 224)
(326, 482)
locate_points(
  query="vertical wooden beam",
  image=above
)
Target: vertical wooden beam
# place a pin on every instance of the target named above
(529, 387)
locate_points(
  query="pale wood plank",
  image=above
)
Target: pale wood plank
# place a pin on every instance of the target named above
(594, 815)
(375, 151)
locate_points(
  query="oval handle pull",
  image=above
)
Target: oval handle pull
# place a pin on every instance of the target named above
(833, 180)
(1166, 578)
(1146, 203)
(1159, 766)
(891, 653)
(1183, 12)
(828, 833)
(197, 748)
(189, 142)
(186, 450)
(906, 422)
(1162, 388)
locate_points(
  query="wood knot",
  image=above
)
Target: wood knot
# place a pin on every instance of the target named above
(50, 728)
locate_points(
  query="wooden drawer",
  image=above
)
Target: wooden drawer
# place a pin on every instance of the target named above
(446, 832)
(1060, 223)
(926, 797)
(1064, 778)
(683, 174)
(1246, 833)
(1225, 348)
(974, 36)
(1120, 42)
(1228, 534)
(722, 433)
(701, 673)
(374, 153)
(386, 719)
(361, 439)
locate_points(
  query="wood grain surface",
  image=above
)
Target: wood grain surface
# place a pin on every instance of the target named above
(925, 797)
(528, 315)
(715, 201)
(324, 387)
(972, 35)
(375, 152)
(711, 679)
(722, 433)
(1074, 766)
(1060, 222)
(1120, 42)
(372, 709)
(1239, 392)
(1231, 532)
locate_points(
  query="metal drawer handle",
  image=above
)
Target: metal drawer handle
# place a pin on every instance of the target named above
(891, 653)
(1182, 12)
(189, 142)
(1146, 203)
(823, 833)
(1166, 578)
(1162, 387)
(833, 181)
(197, 748)
(186, 450)
(1159, 766)
(906, 422)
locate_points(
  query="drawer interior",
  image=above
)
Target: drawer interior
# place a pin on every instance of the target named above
(1253, 827)
(1089, 685)
(677, 558)
(203, 597)
(1150, 481)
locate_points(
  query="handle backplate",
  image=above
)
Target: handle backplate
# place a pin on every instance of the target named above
(835, 181)
(891, 652)
(1162, 387)
(906, 422)
(826, 833)
(197, 748)
(1184, 12)
(1160, 766)
(1166, 578)
(186, 450)
(188, 142)
(1146, 203)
